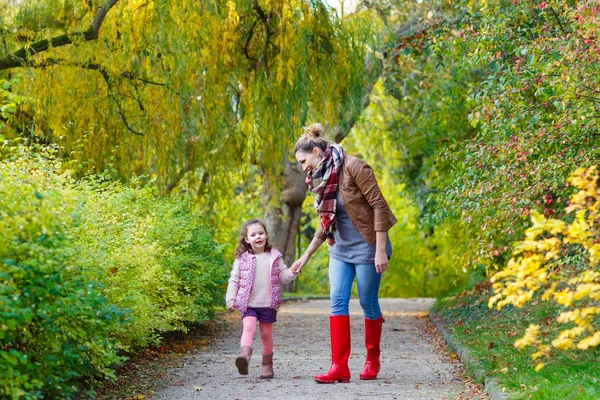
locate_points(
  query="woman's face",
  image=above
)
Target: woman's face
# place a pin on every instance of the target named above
(309, 159)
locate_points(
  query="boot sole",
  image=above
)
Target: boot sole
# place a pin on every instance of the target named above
(242, 365)
(333, 381)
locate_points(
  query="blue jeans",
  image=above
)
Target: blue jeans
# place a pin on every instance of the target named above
(341, 276)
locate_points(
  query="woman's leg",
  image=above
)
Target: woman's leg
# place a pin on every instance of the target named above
(249, 329)
(266, 337)
(367, 282)
(341, 276)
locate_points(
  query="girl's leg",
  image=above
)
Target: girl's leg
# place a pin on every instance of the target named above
(341, 276)
(249, 329)
(367, 282)
(266, 337)
(243, 360)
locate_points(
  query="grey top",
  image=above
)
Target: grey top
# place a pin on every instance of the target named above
(349, 245)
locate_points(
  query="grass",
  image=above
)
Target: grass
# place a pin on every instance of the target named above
(490, 335)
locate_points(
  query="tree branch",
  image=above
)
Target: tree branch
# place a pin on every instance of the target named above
(20, 57)
(99, 68)
(247, 45)
(265, 19)
(562, 29)
(342, 130)
(120, 110)
(124, 117)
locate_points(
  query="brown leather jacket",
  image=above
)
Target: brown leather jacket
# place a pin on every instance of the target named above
(362, 200)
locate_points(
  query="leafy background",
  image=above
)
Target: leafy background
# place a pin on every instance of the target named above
(129, 161)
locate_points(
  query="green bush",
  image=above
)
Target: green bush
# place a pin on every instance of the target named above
(535, 116)
(88, 269)
(155, 258)
(497, 104)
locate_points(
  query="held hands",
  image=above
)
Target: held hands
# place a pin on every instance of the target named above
(381, 261)
(298, 264)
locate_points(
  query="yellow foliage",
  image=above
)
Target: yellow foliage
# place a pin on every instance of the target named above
(539, 367)
(534, 267)
(590, 341)
(530, 337)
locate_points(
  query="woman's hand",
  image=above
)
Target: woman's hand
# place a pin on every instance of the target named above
(381, 261)
(298, 264)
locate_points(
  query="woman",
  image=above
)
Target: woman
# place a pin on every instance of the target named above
(354, 219)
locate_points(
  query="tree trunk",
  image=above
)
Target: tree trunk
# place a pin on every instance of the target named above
(283, 219)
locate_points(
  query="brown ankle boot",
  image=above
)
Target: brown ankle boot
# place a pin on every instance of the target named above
(267, 366)
(243, 360)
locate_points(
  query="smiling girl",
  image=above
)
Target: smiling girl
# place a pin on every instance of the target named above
(255, 289)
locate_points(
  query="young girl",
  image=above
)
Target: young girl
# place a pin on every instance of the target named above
(254, 289)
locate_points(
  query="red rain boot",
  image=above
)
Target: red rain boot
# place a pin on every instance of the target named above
(340, 351)
(372, 340)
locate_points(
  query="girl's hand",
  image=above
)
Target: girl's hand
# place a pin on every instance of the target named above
(231, 309)
(298, 264)
(381, 261)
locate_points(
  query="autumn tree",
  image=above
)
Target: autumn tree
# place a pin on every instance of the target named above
(185, 92)
(188, 93)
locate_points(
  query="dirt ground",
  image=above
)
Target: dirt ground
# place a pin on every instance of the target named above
(415, 361)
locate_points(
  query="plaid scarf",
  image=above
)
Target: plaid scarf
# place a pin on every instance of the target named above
(323, 182)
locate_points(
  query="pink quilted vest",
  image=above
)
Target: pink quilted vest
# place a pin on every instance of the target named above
(247, 270)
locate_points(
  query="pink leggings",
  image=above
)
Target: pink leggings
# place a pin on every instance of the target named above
(266, 334)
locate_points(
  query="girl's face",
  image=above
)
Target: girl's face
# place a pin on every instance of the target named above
(309, 160)
(257, 238)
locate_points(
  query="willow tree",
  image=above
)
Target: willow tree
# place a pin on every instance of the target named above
(186, 92)
(199, 96)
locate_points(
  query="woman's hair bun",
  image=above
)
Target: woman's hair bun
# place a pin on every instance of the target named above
(314, 131)
(314, 136)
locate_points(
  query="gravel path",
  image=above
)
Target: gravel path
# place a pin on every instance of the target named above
(415, 362)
